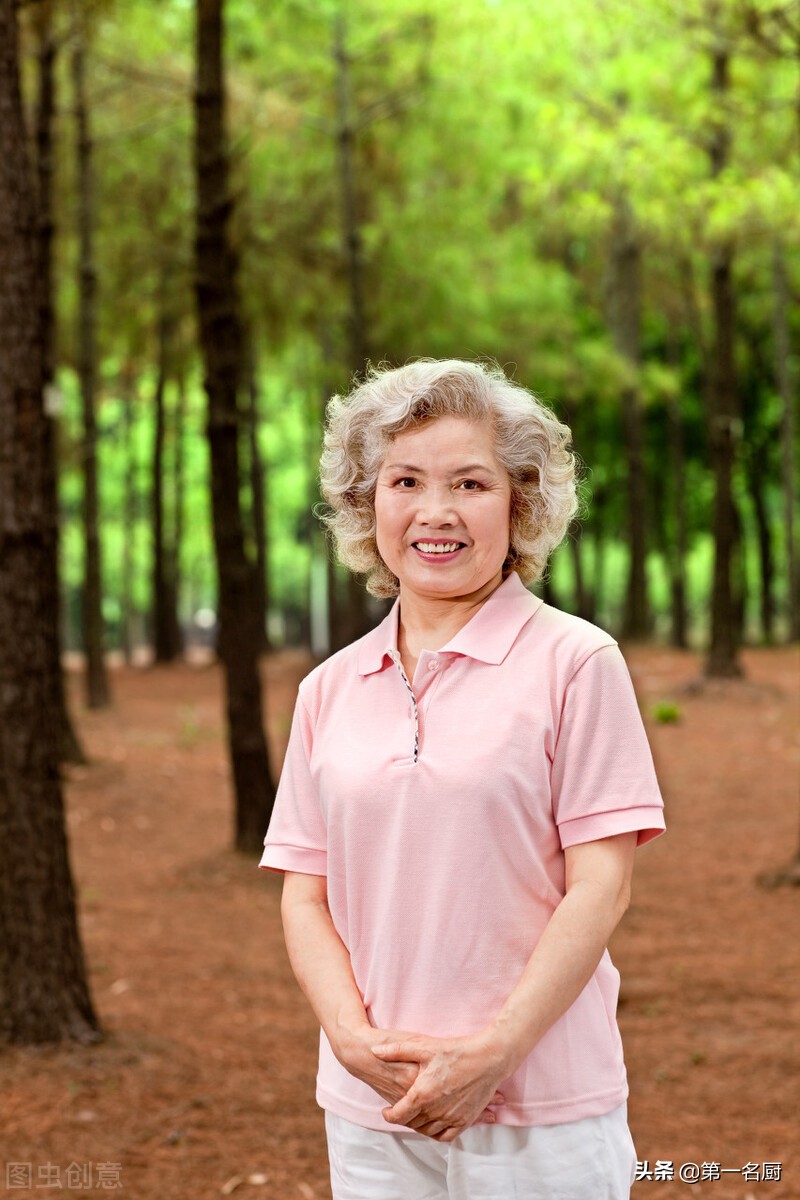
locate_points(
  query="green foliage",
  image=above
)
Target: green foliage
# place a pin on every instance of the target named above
(666, 712)
(494, 144)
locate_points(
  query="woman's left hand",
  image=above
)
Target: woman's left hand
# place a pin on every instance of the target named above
(457, 1081)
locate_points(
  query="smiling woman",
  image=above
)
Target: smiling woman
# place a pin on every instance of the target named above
(528, 442)
(441, 527)
(460, 802)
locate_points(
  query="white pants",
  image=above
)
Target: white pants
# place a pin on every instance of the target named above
(593, 1159)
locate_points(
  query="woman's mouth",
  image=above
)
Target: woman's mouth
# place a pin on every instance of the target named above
(441, 551)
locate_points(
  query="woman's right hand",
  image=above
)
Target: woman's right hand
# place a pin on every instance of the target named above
(391, 1080)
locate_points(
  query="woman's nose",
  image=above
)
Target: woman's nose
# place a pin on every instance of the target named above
(436, 507)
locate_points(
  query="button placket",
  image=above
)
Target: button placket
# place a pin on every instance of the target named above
(414, 710)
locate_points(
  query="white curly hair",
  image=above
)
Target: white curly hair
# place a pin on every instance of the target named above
(532, 444)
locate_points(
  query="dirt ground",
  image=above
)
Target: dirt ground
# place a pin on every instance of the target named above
(204, 1084)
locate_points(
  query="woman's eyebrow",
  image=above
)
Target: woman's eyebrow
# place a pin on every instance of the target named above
(412, 470)
(471, 467)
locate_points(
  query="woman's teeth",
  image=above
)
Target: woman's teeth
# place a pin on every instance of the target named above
(437, 547)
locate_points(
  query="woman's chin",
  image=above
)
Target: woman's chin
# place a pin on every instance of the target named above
(444, 583)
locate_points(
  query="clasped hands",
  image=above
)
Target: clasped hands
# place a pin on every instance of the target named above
(435, 1086)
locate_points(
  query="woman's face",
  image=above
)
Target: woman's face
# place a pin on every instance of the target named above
(442, 509)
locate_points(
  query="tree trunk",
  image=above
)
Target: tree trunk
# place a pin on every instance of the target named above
(97, 690)
(599, 564)
(548, 591)
(739, 583)
(351, 228)
(677, 550)
(258, 494)
(166, 634)
(129, 513)
(222, 348)
(757, 472)
(581, 602)
(625, 320)
(590, 440)
(788, 401)
(723, 653)
(722, 660)
(179, 478)
(71, 750)
(43, 989)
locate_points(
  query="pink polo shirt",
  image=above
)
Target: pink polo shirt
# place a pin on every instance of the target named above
(442, 832)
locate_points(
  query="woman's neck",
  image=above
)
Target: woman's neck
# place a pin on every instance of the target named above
(428, 623)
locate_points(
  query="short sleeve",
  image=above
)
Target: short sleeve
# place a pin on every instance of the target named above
(603, 781)
(296, 839)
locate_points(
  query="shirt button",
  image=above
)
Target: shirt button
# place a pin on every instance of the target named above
(433, 664)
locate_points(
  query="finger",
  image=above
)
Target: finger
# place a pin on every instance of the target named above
(433, 1129)
(409, 1110)
(401, 1113)
(449, 1135)
(397, 1052)
(498, 1098)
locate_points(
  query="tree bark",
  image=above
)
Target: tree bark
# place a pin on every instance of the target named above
(258, 494)
(97, 689)
(129, 512)
(351, 227)
(723, 416)
(548, 591)
(788, 402)
(71, 750)
(597, 589)
(222, 348)
(179, 483)
(581, 600)
(43, 989)
(590, 440)
(166, 633)
(625, 320)
(675, 546)
(757, 470)
(677, 550)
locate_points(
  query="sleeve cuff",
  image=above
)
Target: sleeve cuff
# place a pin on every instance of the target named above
(647, 821)
(294, 858)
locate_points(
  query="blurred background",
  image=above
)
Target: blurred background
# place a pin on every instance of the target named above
(603, 197)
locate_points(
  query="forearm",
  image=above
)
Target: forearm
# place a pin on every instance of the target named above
(321, 964)
(558, 970)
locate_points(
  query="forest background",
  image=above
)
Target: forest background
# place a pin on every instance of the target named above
(604, 200)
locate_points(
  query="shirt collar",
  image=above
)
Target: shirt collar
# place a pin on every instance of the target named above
(487, 636)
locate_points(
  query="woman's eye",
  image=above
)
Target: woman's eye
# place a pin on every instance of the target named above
(470, 484)
(406, 482)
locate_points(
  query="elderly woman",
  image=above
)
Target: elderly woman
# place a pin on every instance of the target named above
(462, 795)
